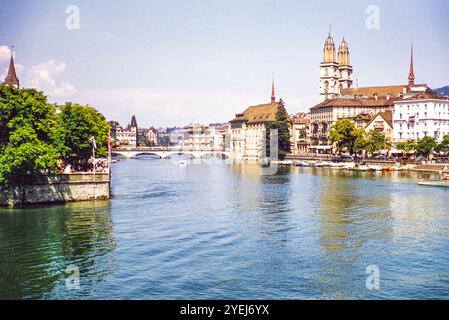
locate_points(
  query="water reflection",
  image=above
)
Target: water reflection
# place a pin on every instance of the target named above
(38, 244)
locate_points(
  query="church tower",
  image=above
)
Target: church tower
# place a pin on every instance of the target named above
(329, 72)
(411, 75)
(11, 77)
(345, 68)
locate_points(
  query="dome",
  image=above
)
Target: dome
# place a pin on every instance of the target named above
(343, 45)
(329, 41)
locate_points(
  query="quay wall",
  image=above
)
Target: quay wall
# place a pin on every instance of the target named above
(56, 189)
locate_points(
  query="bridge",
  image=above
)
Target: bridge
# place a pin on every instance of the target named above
(165, 153)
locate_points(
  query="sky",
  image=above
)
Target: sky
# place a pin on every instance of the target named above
(173, 62)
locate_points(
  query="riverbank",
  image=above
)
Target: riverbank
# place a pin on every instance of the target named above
(61, 188)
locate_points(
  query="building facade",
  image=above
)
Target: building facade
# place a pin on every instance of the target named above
(419, 116)
(300, 133)
(382, 122)
(248, 130)
(127, 137)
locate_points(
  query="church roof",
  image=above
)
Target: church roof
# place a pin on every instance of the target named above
(381, 92)
(340, 102)
(258, 114)
(11, 77)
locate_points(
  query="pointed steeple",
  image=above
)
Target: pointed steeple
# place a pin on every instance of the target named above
(11, 78)
(411, 75)
(273, 95)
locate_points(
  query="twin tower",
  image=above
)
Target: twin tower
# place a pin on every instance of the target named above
(335, 72)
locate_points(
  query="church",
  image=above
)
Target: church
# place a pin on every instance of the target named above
(11, 77)
(335, 71)
(336, 77)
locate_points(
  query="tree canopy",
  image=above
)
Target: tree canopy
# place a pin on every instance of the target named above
(34, 137)
(282, 125)
(344, 134)
(426, 146)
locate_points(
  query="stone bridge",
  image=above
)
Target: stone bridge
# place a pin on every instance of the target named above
(165, 153)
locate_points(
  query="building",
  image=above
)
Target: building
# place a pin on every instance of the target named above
(248, 129)
(382, 122)
(300, 133)
(11, 78)
(127, 137)
(197, 137)
(152, 136)
(325, 114)
(335, 71)
(336, 77)
(421, 115)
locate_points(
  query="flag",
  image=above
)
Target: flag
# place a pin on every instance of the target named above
(94, 142)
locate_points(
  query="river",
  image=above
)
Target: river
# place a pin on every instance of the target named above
(227, 232)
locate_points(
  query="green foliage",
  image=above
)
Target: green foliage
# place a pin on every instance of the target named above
(444, 145)
(375, 142)
(34, 138)
(26, 121)
(407, 146)
(360, 141)
(282, 125)
(426, 146)
(75, 127)
(344, 134)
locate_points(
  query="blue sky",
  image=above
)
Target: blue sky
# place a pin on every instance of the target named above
(172, 62)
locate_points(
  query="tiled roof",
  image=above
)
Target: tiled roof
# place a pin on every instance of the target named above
(341, 102)
(259, 113)
(387, 116)
(426, 95)
(382, 92)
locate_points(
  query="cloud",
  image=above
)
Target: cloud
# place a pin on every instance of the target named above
(43, 77)
(5, 54)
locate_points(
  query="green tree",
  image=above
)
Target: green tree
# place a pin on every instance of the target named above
(282, 125)
(26, 147)
(444, 145)
(407, 146)
(75, 127)
(344, 134)
(360, 141)
(426, 146)
(375, 142)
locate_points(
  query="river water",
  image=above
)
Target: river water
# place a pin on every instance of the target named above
(227, 232)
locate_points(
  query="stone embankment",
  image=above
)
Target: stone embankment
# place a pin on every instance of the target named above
(56, 189)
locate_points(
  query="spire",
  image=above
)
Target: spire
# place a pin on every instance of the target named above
(273, 95)
(411, 75)
(11, 78)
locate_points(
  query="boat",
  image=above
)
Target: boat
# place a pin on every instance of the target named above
(375, 168)
(183, 163)
(360, 168)
(434, 183)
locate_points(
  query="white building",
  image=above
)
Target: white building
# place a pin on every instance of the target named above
(127, 137)
(419, 116)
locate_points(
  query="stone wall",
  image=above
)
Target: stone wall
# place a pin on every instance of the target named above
(58, 189)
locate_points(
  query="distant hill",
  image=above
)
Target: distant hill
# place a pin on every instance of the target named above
(443, 91)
